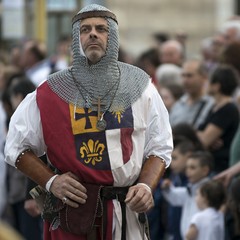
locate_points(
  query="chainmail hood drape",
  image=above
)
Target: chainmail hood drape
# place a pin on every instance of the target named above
(116, 84)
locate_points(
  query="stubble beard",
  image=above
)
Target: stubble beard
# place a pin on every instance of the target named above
(94, 56)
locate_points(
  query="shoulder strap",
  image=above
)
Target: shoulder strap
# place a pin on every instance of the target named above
(202, 104)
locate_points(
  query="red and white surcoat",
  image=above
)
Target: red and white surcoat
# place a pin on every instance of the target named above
(73, 143)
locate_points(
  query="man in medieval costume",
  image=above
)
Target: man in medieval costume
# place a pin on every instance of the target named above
(106, 134)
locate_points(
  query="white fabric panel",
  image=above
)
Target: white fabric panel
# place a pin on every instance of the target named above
(114, 151)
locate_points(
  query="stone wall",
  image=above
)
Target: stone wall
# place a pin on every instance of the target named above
(140, 19)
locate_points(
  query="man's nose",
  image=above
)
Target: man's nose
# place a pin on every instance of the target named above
(93, 33)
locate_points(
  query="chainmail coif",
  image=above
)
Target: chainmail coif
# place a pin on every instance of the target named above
(117, 84)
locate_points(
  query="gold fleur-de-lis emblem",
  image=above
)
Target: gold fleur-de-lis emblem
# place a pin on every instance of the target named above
(92, 151)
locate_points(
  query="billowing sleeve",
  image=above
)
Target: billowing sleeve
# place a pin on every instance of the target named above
(159, 140)
(25, 130)
(3, 196)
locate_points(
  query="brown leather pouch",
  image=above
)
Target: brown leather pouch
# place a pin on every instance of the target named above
(81, 220)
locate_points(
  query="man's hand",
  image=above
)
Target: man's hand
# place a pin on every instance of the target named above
(166, 183)
(227, 175)
(139, 198)
(31, 207)
(68, 188)
(224, 177)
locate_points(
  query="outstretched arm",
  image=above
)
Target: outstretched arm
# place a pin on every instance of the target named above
(227, 175)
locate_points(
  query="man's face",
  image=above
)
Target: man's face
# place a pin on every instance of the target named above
(230, 36)
(193, 82)
(169, 54)
(94, 38)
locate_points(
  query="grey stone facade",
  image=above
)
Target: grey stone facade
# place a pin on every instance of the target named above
(139, 19)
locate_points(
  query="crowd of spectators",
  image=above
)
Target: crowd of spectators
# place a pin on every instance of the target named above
(201, 93)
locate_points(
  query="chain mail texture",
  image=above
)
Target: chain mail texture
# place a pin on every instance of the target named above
(117, 84)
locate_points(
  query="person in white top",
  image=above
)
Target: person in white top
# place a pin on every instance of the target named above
(208, 224)
(198, 168)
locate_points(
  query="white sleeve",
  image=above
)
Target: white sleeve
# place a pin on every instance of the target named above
(3, 196)
(195, 220)
(176, 196)
(158, 133)
(2, 127)
(25, 130)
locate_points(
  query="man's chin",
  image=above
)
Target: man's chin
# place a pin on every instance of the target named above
(94, 57)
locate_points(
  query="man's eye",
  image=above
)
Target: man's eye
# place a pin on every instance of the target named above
(84, 30)
(102, 29)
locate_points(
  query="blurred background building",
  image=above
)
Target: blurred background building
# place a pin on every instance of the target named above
(141, 22)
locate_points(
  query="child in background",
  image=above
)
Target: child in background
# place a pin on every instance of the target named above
(198, 167)
(208, 224)
(182, 150)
